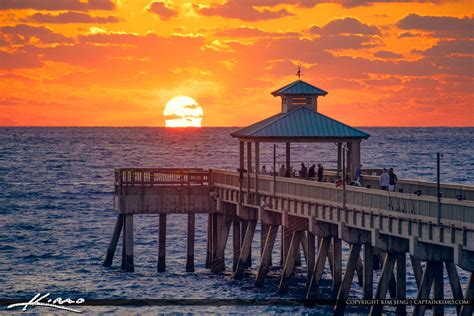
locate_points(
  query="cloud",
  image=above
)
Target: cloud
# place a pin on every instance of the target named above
(387, 54)
(70, 17)
(244, 31)
(347, 25)
(24, 34)
(162, 9)
(358, 3)
(450, 47)
(440, 26)
(55, 5)
(409, 35)
(19, 59)
(243, 10)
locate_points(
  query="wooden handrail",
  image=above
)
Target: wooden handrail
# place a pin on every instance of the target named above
(136, 177)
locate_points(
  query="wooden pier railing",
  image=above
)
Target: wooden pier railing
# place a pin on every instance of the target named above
(356, 197)
(135, 177)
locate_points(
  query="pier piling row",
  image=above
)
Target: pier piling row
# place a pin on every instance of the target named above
(311, 218)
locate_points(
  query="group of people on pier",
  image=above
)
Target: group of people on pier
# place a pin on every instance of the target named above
(387, 181)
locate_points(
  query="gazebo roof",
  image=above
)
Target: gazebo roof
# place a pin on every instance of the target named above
(299, 87)
(300, 124)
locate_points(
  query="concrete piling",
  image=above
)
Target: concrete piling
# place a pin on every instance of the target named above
(190, 243)
(162, 244)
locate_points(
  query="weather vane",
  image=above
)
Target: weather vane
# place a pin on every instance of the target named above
(298, 73)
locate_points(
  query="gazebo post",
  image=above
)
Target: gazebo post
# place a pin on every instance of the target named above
(249, 168)
(288, 160)
(257, 170)
(339, 160)
(355, 157)
(241, 169)
(349, 170)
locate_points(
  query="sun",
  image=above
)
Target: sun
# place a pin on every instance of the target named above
(182, 111)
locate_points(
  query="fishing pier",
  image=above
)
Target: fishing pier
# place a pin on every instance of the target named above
(383, 229)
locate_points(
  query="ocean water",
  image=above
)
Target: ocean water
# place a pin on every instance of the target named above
(56, 210)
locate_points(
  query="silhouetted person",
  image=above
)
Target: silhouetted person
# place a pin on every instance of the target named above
(282, 171)
(312, 172)
(393, 180)
(264, 170)
(358, 174)
(320, 172)
(384, 180)
(303, 171)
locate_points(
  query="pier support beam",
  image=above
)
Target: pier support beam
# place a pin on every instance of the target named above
(129, 266)
(454, 282)
(248, 261)
(246, 249)
(466, 310)
(190, 246)
(424, 289)
(401, 282)
(223, 228)
(162, 244)
(310, 252)
(368, 271)
(337, 264)
(387, 273)
(290, 260)
(438, 287)
(318, 268)
(235, 242)
(348, 276)
(113, 242)
(266, 255)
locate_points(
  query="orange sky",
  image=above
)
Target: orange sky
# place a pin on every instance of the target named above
(117, 63)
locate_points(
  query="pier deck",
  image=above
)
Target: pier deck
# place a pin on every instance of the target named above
(377, 225)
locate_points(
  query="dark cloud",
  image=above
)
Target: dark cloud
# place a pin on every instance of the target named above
(70, 17)
(161, 9)
(24, 34)
(245, 31)
(440, 26)
(57, 5)
(387, 54)
(347, 25)
(357, 3)
(243, 10)
(450, 47)
(408, 35)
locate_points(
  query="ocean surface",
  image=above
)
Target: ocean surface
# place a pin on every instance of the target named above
(57, 217)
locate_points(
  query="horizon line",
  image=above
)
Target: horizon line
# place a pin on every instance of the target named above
(231, 126)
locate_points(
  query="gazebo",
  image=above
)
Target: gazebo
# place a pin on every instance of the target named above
(300, 122)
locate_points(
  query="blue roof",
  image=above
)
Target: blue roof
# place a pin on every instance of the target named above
(299, 123)
(299, 87)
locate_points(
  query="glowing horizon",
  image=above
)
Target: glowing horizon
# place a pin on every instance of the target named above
(117, 63)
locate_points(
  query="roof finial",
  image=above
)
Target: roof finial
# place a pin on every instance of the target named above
(298, 73)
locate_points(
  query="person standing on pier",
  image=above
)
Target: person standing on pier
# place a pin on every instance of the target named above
(358, 174)
(303, 171)
(384, 180)
(312, 172)
(393, 180)
(282, 171)
(320, 172)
